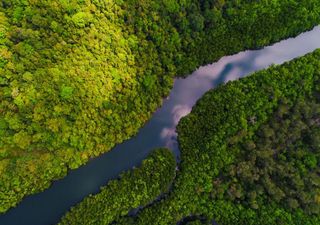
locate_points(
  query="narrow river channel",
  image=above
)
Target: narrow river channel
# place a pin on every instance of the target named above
(48, 207)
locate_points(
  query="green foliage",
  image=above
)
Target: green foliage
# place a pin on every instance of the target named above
(66, 92)
(278, 163)
(17, 14)
(78, 77)
(81, 19)
(248, 152)
(134, 188)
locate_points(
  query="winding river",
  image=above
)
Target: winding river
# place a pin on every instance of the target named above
(48, 207)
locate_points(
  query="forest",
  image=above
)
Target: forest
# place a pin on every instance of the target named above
(253, 159)
(78, 77)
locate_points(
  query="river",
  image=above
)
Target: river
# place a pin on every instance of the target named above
(49, 206)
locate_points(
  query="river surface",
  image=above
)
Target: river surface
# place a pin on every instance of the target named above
(49, 206)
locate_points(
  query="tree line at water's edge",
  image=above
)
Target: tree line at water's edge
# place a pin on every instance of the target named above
(78, 77)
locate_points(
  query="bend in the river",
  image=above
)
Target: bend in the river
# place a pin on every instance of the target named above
(49, 206)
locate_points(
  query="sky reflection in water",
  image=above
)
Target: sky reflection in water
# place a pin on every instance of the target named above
(187, 91)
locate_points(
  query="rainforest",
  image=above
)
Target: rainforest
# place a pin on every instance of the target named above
(79, 77)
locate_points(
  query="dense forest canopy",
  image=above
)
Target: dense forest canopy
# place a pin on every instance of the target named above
(79, 76)
(279, 163)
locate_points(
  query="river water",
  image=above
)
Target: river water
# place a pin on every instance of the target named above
(49, 206)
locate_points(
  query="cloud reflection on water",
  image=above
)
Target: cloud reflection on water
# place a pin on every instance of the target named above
(188, 90)
(169, 133)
